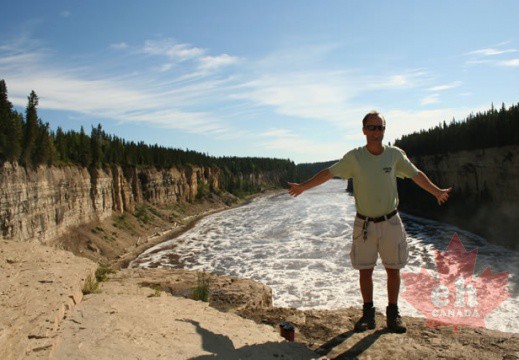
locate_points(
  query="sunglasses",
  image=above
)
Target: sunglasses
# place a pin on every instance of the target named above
(375, 127)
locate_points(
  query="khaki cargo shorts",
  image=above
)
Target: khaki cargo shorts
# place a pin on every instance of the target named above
(387, 238)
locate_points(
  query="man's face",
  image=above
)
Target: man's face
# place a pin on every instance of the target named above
(374, 129)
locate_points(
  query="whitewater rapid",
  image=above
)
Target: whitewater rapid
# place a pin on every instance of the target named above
(300, 248)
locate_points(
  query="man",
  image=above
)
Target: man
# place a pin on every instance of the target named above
(378, 228)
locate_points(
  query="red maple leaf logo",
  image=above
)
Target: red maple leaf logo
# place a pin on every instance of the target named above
(454, 297)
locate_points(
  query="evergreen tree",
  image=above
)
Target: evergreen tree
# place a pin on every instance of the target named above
(493, 128)
(5, 117)
(60, 144)
(14, 139)
(45, 151)
(84, 149)
(10, 128)
(31, 130)
(96, 144)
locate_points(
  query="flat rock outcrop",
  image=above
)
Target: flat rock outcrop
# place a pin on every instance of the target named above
(40, 286)
(45, 315)
(227, 293)
(128, 321)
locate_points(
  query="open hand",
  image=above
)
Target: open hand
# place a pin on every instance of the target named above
(443, 195)
(295, 189)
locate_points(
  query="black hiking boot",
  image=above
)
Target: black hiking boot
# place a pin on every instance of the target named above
(394, 321)
(367, 321)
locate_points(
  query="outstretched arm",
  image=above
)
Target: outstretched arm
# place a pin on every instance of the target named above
(442, 195)
(318, 179)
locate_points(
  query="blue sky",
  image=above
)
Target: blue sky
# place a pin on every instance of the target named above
(285, 79)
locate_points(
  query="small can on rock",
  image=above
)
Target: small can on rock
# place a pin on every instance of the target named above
(287, 330)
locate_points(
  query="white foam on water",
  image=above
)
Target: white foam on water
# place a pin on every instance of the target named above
(300, 248)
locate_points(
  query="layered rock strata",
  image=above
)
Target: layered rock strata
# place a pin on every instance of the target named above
(43, 203)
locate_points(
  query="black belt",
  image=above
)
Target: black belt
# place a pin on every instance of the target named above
(378, 219)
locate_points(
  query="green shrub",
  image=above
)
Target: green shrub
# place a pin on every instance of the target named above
(201, 291)
(154, 211)
(142, 214)
(91, 285)
(102, 272)
(122, 222)
(156, 291)
(202, 189)
(97, 230)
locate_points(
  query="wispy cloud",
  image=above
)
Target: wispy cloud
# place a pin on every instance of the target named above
(119, 46)
(304, 55)
(491, 52)
(478, 62)
(403, 80)
(65, 13)
(318, 95)
(323, 95)
(430, 99)
(121, 97)
(509, 63)
(446, 86)
(208, 63)
(278, 132)
(290, 142)
(489, 55)
(172, 50)
(165, 67)
(179, 53)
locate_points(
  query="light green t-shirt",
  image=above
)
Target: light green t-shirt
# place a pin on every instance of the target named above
(374, 178)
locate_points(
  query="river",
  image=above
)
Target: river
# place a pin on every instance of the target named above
(300, 248)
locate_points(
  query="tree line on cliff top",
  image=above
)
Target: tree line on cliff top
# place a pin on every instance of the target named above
(491, 128)
(30, 142)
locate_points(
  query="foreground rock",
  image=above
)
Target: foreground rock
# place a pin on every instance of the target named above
(39, 287)
(128, 317)
(227, 293)
(329, 333)
(43, 313)
(129, 321)
(142, 314)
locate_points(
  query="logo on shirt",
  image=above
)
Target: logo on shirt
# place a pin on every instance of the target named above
(387, 170)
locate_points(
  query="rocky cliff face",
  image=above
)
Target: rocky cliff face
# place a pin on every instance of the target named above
(485, 193)
(43, 203)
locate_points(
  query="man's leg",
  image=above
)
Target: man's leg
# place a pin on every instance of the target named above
(367, 321)
(394, 253)
(393, 285)
(364, 254)
(366, 284)
(394, 322)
